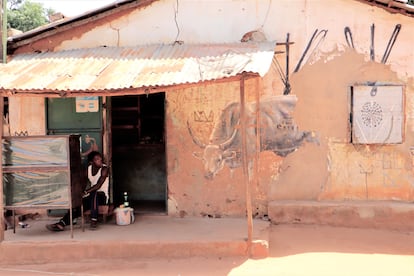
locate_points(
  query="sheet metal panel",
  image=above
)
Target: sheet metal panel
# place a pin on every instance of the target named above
(113, 68)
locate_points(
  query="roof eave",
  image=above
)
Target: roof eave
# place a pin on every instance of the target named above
(394, 7)
(53, 28)
(45, 93)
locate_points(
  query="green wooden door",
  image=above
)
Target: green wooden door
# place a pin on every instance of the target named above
(70, 116)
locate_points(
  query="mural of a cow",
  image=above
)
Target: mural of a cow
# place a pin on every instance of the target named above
(278, 133)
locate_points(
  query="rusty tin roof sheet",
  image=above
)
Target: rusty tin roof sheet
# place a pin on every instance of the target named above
(114, 68)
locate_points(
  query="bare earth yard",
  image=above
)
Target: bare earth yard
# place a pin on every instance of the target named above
(294, 249)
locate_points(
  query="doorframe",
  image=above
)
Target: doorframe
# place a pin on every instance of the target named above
(107, 138)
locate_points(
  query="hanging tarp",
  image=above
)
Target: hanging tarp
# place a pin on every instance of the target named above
(36, 171)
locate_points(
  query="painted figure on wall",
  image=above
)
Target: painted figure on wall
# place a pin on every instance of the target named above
(93, 146)
(278, 133)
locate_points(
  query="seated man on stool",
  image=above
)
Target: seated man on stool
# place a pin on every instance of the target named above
(97, 194)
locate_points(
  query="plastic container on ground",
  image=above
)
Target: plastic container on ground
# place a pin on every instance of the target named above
(124, 216)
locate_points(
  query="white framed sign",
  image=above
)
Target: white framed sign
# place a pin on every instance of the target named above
(87, 104)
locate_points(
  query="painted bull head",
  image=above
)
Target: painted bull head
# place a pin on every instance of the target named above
(278, 133)
(214, 156)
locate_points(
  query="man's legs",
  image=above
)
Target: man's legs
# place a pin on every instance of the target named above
(65, 220)
(94, 209)
(90, 202)
(95, 199)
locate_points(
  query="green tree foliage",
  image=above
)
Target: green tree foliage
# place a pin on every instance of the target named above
(25, 15)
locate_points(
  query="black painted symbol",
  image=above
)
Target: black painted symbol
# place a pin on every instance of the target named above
(371, 114)
(201, 116)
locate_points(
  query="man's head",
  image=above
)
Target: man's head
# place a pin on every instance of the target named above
(95, 158)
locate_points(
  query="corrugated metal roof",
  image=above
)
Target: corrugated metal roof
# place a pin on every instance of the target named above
(404, 7)
(114, 68)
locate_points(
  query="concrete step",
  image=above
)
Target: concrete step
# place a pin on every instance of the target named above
(391, 215)
(149, 236)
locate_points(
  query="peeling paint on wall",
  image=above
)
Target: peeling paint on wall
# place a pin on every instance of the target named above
(338, 170)
(368, 173)
(225, 194)
(335, 170)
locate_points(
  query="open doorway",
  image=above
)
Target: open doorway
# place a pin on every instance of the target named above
(138, 152)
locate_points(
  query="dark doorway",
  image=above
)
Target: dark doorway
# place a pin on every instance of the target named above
(138, 151)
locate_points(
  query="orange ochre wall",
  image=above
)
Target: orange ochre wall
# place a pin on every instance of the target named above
(190, 193)
(337, 169)
(334, 169)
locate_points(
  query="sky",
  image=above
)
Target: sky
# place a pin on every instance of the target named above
(73, 7)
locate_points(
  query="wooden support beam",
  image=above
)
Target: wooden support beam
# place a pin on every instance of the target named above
(256, 179)
(1, 171)
(246, 179)
(3, 20)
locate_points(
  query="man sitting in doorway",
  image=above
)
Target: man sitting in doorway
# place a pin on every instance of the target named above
(95, 195)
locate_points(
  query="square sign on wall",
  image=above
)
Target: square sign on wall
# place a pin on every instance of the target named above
(87, 104)
(377, 114)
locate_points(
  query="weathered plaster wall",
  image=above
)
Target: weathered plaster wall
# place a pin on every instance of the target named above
(334, 169)
(27, 116)
(228, 21)
(337, 169)
(189, 192)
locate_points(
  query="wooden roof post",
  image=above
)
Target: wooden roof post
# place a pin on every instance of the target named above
(1, 171)
(244, 152)
(3, 20)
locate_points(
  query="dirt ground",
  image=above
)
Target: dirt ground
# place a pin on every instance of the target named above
(294, 250)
